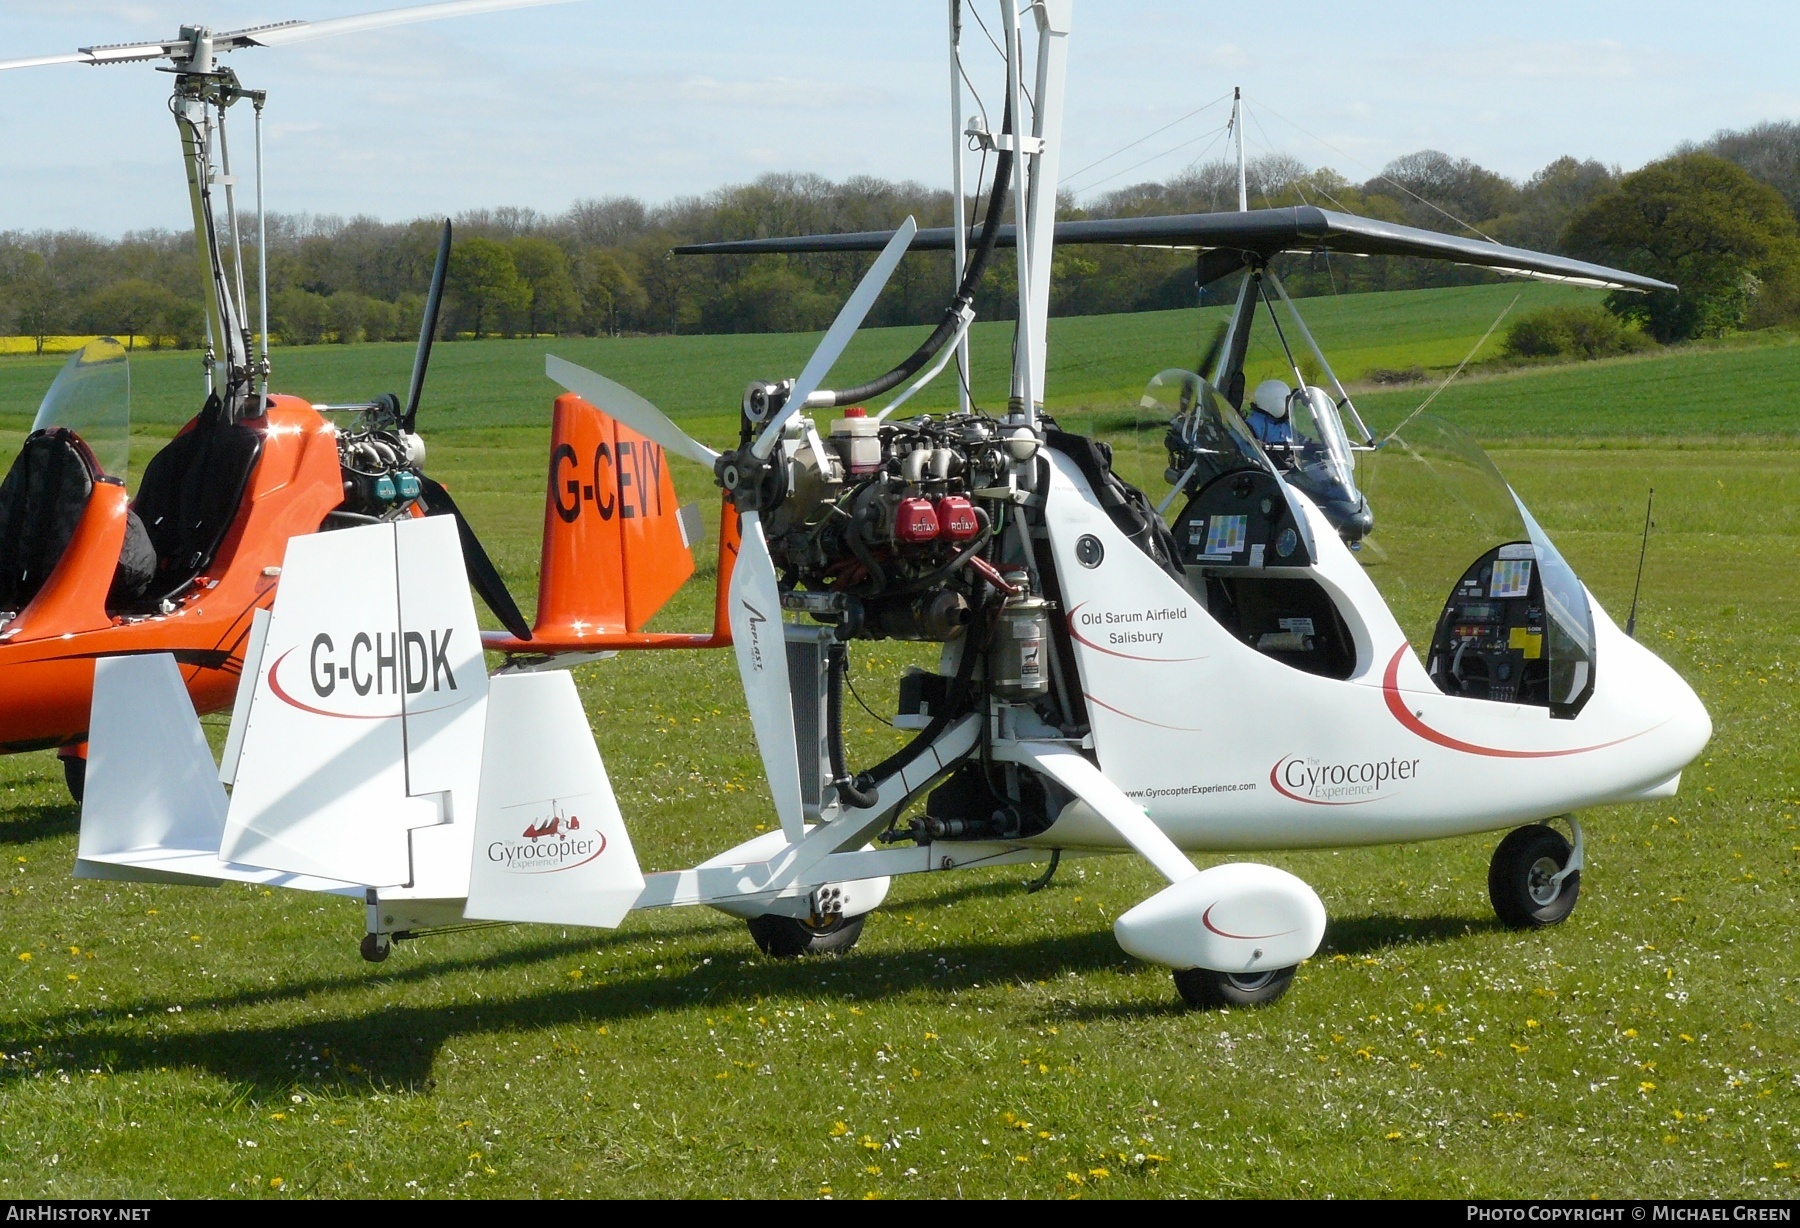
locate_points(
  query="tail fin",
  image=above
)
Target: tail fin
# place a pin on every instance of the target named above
(616, 543)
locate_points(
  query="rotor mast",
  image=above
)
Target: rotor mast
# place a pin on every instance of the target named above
(202, 93)
(1035, 167)
(1237, 128)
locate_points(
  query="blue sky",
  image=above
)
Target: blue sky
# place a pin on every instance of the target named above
(544, 107)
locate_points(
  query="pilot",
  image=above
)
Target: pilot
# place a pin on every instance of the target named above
(1268, 419)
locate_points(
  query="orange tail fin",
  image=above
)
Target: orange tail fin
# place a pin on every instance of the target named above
(616, 545)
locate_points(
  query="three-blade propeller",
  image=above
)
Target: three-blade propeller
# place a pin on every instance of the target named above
(755, 594)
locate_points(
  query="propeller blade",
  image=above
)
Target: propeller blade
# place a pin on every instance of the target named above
(428, 329)
(849, 319)
(482, 572)
(624, 405)
(299, 31)
(758, 640)
(1209, 357)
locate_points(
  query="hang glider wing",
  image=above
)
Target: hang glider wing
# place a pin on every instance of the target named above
(1258, 234)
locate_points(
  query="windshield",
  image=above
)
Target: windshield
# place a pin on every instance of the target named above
(1205, 433)
(1451, 525)
(1320, 454)
(91, 396)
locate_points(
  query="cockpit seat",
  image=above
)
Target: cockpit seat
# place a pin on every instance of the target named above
(41, 502)
(190, 494)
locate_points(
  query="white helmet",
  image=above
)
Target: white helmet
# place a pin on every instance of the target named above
(1271, 397)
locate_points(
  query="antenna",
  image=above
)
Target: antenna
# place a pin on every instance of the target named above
(1237, 128)
(1643, 549)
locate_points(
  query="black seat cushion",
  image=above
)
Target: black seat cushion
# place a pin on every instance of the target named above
(190, 494)
(41, 502)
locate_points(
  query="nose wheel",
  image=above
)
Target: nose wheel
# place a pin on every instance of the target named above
(1534, 878)
(1204, 989)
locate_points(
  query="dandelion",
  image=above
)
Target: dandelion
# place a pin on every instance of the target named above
(276, 1183)
(24, 957)
(1099, 1174)
(1646, 1087)
(1687, 1038)
(872, 1169)
(839, 1129)
(1531, 1023)
(1631, 1033)
(1074, 1179)
(1391, 1135)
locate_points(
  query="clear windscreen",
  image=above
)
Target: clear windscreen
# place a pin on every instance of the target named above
(1215, 437)
(1320, 454)
(91, 397)
(1443, 505)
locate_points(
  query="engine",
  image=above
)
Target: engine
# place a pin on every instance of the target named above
(381, 463)
(889, 531)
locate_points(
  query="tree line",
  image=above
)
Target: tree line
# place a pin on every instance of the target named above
(1718, 217)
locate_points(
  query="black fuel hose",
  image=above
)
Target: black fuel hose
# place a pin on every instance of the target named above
(965, 293)
(836, 663)
(955, 705)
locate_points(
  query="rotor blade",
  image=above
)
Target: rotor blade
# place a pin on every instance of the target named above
(760, 644)
(849, 319)
(483, 575)
(35, 61)
(428, 329)
(299, 31)
(623, 405)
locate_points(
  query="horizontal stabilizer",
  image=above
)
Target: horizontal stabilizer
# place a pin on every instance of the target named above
(366, 717)
(1257, 233)
(550, 844)
(153, 810)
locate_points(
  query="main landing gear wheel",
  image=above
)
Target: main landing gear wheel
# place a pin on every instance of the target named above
(1204, 989)
(1522, 878)
(376, 947)
(781, 937)
(75, 776)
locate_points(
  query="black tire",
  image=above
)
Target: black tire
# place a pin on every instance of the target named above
(1519, 878)
(376, 947)
(75, 776)
(781, 937)
(1203, 989)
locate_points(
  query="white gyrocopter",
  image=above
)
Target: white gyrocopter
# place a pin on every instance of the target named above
(1107, 683)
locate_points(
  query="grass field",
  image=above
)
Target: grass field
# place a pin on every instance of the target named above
(981, 1041)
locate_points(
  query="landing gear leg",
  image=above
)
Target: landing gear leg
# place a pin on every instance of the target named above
(1535, 876)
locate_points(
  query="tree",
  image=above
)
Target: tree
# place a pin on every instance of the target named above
(133, 307)
(487, 283)
(1702, 223)
(40, 305)
(553, 304)
(299, 316)
(345, 310)
(1770, 152)
(608, 291)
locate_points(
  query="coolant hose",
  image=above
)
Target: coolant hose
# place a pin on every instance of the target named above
(836, 665)
(965, 293)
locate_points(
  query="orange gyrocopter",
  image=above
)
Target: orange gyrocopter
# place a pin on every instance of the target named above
(87, 570)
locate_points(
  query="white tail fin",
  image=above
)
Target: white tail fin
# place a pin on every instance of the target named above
(550, 844)
(154, 810)
(365, 721)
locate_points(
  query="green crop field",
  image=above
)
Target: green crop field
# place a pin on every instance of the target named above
(982, 1041)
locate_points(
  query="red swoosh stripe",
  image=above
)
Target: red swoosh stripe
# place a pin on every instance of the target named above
(1141, 720)
(1206, 920)
(1390, 690)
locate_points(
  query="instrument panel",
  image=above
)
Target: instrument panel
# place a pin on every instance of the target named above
(1489, 642)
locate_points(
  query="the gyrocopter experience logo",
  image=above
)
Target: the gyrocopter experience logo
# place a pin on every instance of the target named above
(1340, 784)
(551, 838)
